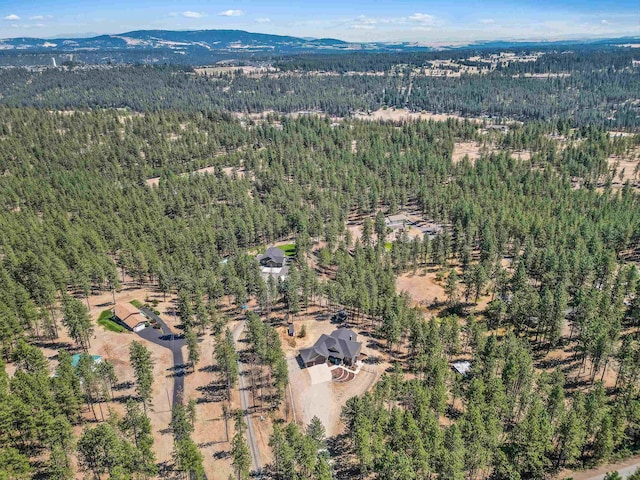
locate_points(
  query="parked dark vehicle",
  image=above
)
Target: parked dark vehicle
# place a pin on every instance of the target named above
(341, 316)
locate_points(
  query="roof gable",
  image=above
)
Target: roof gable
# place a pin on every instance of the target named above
(129, 315)
(337, 345)
(345, 334)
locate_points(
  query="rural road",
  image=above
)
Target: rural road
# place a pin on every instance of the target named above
(624, 472)
(244, 401)
(625, 468)
(166, 339)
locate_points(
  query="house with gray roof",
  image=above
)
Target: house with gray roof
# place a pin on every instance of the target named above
(397, 221)
(340, 347)
(274, 257)
(274, 263)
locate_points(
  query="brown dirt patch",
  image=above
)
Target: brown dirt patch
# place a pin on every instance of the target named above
(423, 289)
(356, 231)
(247, 70)
(240, 172)
(153, 182)
(402, 115)
(625, 166)
(472, 150)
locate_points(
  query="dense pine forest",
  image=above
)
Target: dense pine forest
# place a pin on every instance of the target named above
(590, 87)
(146, 173)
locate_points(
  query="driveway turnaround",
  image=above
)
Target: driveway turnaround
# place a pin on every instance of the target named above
(319, 373)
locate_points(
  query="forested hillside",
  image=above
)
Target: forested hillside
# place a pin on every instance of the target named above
(78, 211)
(588, 87)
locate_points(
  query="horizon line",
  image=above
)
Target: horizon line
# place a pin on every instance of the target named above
(554, 39)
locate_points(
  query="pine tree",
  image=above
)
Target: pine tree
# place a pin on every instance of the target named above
(188, 458)
(227, 360)
(240, 455)
(532, 441)
(193, 347)
(316, 431)
(77, 321)
(14, 465)
(452, 458)
(451, 288)
(140, 358)
(137, 426)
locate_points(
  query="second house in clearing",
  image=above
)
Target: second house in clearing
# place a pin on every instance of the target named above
(274, 263)
(339, 348)
(130, 317)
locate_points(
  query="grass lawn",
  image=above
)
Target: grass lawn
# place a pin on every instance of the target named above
(106, 321)
(289, 250)
(136, 303)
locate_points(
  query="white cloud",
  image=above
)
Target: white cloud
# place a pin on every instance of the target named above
(366, 20)
(40, 17)
(420, 19)
(604, 22)
(232, 13)
(263, 20)
(362, 26)
(440, 31)
(423, 18)
(364, 23)
(190, 14)
(13, 16)
(27, 26)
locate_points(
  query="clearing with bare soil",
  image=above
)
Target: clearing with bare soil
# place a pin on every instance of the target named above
(404, 115)
(423, 288)
(473, 150)
(326, 399)
(627, 168)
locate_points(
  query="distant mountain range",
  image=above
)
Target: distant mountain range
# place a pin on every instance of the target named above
(182, 42)
(206, 46)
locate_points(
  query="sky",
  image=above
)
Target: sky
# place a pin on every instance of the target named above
(429, 22)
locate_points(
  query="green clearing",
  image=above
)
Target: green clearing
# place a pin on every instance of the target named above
(289, 249)
(106, 321)
(136, 303)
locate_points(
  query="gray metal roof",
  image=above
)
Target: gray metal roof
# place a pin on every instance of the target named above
(337, 345)
(345, 334)
(308, 354)
(276, 254)
(461, 367)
